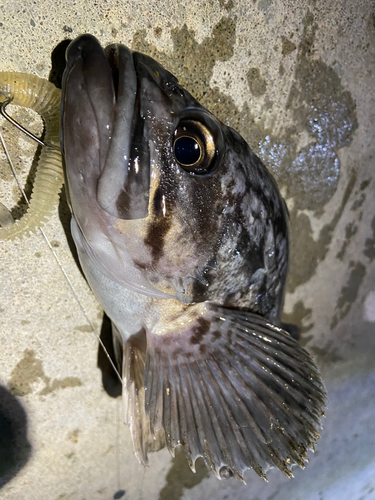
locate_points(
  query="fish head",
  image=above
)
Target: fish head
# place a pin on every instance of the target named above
(167, 199)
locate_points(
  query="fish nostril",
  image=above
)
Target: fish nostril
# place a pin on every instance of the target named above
(171, 86)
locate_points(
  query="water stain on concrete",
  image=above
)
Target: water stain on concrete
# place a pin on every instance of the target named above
(349, 292)
(365, 184)
(301, 317)
(84, 328)
(30, 370)
(369, 250)
(350, 230)
(158, 31)
(73, 436)
(326, 112)
(305, 252)
(287, 46)
(190, 61)
(226, 5)
(180, 477)
(360, 195)
(358, 202)
(256, 82)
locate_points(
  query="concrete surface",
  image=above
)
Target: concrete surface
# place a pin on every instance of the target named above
(297, 79)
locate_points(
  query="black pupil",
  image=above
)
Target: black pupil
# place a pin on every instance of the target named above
(186, 150)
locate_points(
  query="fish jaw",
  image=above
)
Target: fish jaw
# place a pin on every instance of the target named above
(98, 107)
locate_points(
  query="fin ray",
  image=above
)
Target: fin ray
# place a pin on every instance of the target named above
(235, 390)
(134, 395)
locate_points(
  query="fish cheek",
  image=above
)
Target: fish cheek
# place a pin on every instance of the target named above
(183, 227)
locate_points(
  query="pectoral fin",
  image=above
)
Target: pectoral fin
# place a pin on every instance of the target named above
(233, 389)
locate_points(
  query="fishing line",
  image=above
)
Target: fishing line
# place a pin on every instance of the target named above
(32, 136)
(120, 492)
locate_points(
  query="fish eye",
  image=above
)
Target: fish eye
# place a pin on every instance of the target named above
(194, 147)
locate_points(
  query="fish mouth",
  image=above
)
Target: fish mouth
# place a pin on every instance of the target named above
(109, 79)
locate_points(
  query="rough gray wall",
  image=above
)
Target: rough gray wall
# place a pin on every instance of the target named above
(297, 80)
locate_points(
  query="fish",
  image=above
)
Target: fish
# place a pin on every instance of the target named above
(183, 237)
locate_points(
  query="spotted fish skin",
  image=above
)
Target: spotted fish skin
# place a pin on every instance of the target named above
(189, 262)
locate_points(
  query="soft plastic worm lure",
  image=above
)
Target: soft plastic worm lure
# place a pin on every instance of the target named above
(33, 92)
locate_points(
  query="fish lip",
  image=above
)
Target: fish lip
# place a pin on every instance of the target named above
(114, 54)
(129, 71)
(124, 185)
(123, 181)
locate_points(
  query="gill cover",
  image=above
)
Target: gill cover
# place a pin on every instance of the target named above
(101, 133)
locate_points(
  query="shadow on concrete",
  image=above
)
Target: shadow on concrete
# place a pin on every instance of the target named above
(58, 63)
(15, 449)
(180, 477)
(110, 380)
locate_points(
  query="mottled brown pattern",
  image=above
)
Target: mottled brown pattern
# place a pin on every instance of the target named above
(156, 233)
(200, 330)
(215, 335)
